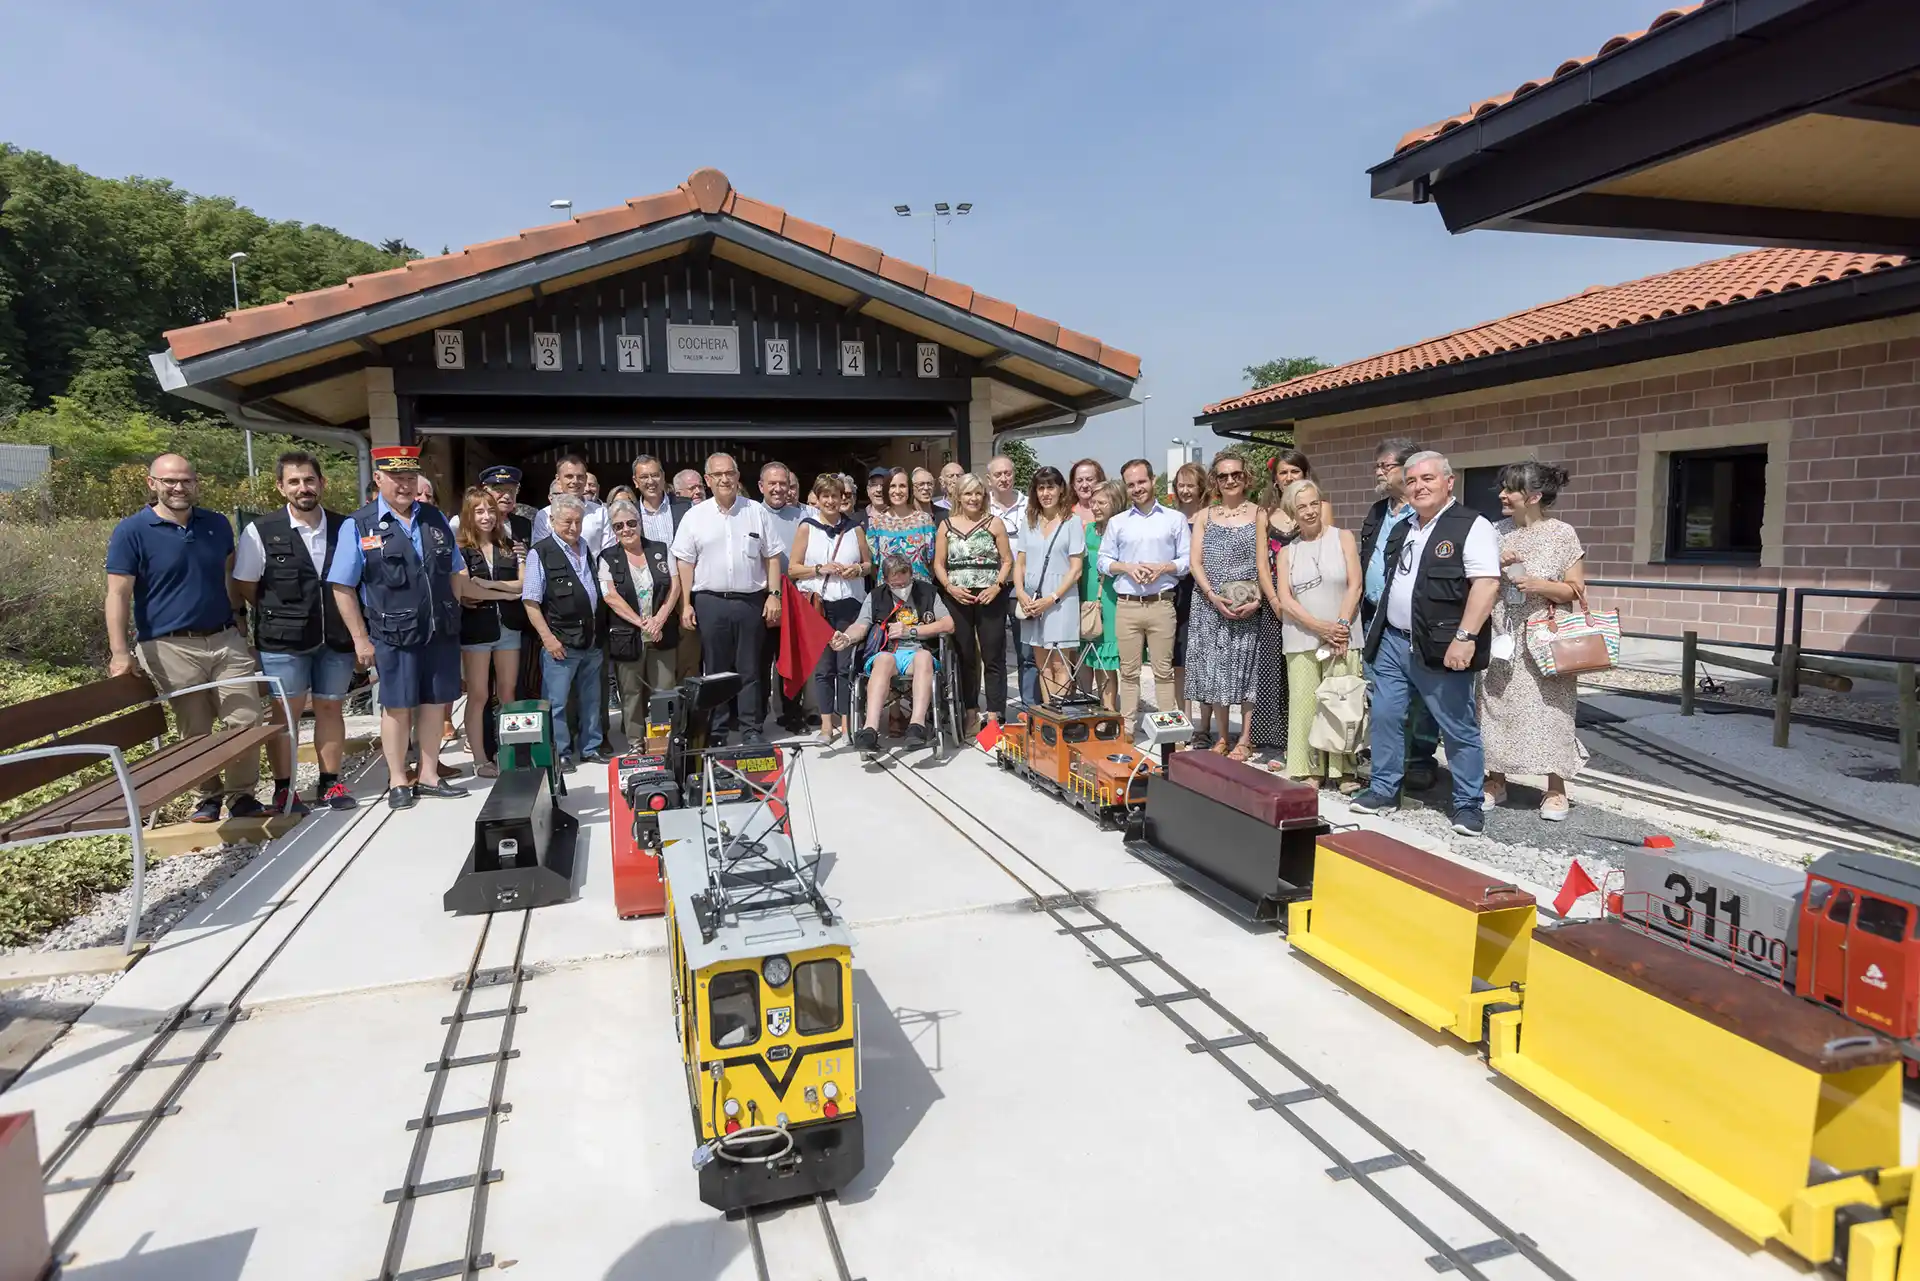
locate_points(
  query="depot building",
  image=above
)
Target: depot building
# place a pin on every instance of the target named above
(674, 325)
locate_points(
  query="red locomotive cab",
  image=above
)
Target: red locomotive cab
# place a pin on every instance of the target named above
(1858, 953)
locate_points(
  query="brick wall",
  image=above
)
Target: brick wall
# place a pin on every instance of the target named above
(1852, 510)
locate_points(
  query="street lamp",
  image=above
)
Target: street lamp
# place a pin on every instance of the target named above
(1143, 423)
(233, 265)
(941, 209)
(562, 204)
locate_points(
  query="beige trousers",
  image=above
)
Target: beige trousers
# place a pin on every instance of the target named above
(176, 662)
(1150, 624)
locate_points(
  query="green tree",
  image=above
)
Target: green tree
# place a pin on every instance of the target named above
(1259, 453)
(86, 439)
(1025, 461)
(398, 248)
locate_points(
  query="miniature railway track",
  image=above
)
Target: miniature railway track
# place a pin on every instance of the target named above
(432, 1120)
(181, 1022)
(759, 1250)
(1760, 793)
(1076, 916)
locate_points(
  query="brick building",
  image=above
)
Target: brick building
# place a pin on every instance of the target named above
(1703, 448)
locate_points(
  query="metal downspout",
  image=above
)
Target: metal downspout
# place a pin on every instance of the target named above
(361, 446)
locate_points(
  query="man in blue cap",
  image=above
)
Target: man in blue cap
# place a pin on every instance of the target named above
(393, 578)
(503, 483)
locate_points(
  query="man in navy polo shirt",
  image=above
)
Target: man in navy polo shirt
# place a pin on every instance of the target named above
(169, 583)
(392, 577)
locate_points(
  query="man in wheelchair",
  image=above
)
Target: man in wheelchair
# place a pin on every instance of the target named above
(899, 625)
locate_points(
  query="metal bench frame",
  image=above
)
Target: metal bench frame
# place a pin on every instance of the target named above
(135, 824)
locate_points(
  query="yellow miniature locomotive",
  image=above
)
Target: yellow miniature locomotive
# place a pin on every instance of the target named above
(763, 1005)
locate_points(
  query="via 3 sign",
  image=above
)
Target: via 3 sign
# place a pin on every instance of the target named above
(703, 349)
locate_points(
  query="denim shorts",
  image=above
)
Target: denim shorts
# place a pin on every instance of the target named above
(509, 642)
(323, 672)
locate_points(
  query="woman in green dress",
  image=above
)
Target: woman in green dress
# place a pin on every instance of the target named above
(1101, 656)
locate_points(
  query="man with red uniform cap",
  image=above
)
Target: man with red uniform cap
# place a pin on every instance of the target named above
(392, 576)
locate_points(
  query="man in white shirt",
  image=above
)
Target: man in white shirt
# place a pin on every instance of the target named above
(1009, 506)
(727, 557)
(297, 628)
(1146, 550)
(1431, 634)
(570, 477)
(561, 590)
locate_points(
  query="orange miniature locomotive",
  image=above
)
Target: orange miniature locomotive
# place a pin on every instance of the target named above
(1082, 752)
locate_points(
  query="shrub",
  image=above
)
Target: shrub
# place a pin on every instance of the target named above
(52, 588)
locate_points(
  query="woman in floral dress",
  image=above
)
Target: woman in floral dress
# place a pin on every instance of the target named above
(1526, 718)
(1223, 633)
(902, 529)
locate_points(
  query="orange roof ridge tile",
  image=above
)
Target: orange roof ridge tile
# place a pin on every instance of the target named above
(1718, 282)
(706, 191)
(1427, 133)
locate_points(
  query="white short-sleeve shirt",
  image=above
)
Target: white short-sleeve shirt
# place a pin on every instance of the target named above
(1481, 558)
(250, 554)
(727, 549)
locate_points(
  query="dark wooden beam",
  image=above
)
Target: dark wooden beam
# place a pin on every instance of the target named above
(371, 347)
(1707, 223)
(659, 385)
(254, 392)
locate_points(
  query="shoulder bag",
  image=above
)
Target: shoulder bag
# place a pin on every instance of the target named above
(1020, 610)
(1575, 641)
(1090, 621)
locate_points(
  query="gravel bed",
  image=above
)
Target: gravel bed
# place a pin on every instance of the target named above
(1808, 702)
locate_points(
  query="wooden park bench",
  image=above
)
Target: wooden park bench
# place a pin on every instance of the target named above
(46, 739)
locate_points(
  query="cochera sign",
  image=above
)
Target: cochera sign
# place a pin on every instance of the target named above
(703, 349)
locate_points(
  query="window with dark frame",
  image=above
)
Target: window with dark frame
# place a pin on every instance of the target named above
(1716, 502)
(1479, 491)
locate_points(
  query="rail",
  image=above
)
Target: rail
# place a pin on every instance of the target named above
(1907, 699)
(1740, 589)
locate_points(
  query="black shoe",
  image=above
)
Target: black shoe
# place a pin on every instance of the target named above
(400, 798)
(1371, 802)
(443, 790)
(867, 740)
(1420, 777)
(1469, 822)
(336, 797)
(916, 735)
(596, 758)
(287, 801)
(566, 765)
(244, 806)
(207, 811)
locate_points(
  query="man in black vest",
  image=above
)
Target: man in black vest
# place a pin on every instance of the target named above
(1428, 637)
(280, 568)
(1388, 513)
(392, 576)
(660, 516)
(562, 594)
(899, 626)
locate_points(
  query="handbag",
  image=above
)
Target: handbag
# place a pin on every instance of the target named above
(1341, 715)
(1020, 610)
(1576, 641)
(1090, 625)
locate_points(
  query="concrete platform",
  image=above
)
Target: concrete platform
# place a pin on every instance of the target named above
(1025, 1117)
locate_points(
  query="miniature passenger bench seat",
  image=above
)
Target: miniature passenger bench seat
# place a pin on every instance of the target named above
(1738, 1093)
(1238, 834)
(1438, 939)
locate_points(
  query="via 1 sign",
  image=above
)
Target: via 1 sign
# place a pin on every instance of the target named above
(703, 349)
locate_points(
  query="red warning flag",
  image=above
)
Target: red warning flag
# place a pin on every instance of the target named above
(989, 736)
(804, 633)
(1576, 887)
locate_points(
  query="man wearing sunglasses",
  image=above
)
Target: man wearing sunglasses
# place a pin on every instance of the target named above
(1386, 515)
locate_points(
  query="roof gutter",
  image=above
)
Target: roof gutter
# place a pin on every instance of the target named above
(360, 446)
(1053, 427)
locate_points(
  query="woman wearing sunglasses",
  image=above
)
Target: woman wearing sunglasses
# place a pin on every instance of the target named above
(632, 627)
(1223, 633)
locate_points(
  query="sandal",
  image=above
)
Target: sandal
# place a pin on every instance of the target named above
(1493, 797)
(1349, 786)
(1240, 752)
(486, 769)
(1218, 747)
(1554, 808)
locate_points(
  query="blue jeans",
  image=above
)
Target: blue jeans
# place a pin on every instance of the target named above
(1423, 736)
(578, 672)
(1029, 672)
(1397, 676)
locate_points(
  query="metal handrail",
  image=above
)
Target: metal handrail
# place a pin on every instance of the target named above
(134, 822)
(1745, 589)
(1845, 593)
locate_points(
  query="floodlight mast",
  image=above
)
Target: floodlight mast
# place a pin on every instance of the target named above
(941, 210)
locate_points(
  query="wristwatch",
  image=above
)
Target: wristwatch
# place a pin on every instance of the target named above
(913, 632)
(1462, 636)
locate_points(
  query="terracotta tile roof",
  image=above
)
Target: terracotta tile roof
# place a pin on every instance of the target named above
(1721, 282)
(1427, 133)
(707, 191)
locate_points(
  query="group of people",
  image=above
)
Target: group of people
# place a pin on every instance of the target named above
(1240, 592)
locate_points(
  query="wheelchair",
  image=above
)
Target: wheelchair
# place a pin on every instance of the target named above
(945, 717)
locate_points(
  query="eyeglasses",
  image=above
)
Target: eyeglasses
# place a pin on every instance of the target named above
(619, 525)
(722, 475)
(1388, 465)
(174, 482)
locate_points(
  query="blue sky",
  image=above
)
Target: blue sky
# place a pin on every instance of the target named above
(1184, 181)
